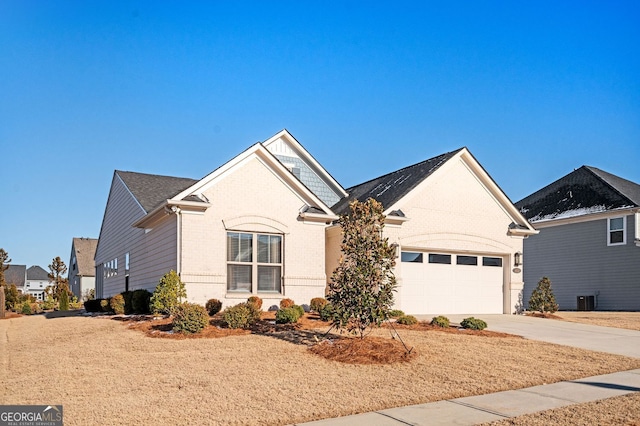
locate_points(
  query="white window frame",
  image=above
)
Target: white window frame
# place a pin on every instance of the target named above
(624, 231)
(255, 264)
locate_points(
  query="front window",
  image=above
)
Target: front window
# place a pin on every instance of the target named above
(616, 235)
(254, 263)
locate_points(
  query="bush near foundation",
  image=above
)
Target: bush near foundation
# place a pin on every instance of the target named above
(256, 301)
(92, 305)
(317, 303)
(286, 303)
(407, 320)
(396, 313)
(105, 305)
(542, 298)
(190, 318)
(326, 313)
(128, 305)
(287, 316)
(117, 304)
(213, 306)
(243, 315)
(140, 300)
(472, 323)
(440, 321)
(26, 308)
(168, 293)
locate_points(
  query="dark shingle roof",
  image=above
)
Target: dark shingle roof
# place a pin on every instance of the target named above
(15, 274)
(36, 273)
(85, 251)
(391, 187)
(583, 191)
(152, 190)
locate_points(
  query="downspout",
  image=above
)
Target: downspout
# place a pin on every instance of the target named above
(178, 213)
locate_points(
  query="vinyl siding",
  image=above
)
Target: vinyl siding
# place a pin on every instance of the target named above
(150, 253)
(577, 260)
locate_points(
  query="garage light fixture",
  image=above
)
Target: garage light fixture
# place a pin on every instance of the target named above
(517, 258)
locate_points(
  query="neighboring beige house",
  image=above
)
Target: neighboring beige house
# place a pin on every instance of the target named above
(263, 224)
(82, 271)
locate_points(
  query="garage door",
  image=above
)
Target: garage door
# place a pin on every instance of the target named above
(442, 283)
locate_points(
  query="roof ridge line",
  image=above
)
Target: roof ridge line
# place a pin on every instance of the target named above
(601, 179)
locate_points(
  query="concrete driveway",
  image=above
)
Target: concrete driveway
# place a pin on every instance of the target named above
(604, 339)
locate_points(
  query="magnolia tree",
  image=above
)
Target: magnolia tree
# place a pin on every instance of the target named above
(361, 288)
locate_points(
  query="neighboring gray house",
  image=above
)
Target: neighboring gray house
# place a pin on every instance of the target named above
(82, 271)
(16, 275)
(31, 281)
(37, 282)
(589, 241)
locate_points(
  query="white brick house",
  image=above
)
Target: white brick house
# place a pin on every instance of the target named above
(262, 224)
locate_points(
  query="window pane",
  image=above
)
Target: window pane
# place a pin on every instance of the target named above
(616, 237)
(408, 256)
(239, 247)
(269, 279)
(269, 248)
(466, 260)
(440, 258)
(491, 261)
(239, 278)
(616, 224)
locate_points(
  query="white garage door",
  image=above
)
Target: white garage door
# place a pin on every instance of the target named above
(440, 283)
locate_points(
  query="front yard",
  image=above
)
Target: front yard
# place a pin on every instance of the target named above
(104, 372)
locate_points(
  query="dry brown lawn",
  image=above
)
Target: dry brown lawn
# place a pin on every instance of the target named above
(629, 320)
(104, 372)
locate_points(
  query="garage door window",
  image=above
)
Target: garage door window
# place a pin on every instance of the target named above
(467, 260)
(440, 258)
(492, 261)
(411, 257)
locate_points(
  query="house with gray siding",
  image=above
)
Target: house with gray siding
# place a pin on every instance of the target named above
(82, 271)
(589, 241)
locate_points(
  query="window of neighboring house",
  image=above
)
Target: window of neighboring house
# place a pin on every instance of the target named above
(617, 232)
(254, 263)
(440, 258)
(126, 263)
(492, 261)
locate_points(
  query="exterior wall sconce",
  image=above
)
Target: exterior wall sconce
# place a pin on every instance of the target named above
(517, 258)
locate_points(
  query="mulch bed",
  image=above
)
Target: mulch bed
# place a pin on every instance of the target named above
(312, 332)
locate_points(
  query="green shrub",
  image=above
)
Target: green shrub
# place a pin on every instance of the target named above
(440, 321)
(26, 308)
(317, 303)
(326, 312)
(287, 316)
(286, 303)
(542, 298)
(140, 301)
(63, 302)
(299, 309)
(256, 301)
(74, 303)
(105, 305)
(473, 324)
(213, 306)
(189, 318)
(168, 293)
(241, 316)
(92, 305)
(407, 320)
(128, 302)
(48, 303)
(396, 313)
(117, 304)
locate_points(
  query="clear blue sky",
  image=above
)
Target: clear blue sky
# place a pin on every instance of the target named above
(533, 89)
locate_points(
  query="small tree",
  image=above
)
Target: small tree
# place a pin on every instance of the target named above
(60, 284)
(542, 298)
(4, 265)
(64, 301)
(168, 293)
(361, 288)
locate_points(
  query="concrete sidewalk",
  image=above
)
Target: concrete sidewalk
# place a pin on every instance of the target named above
(497, 406)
